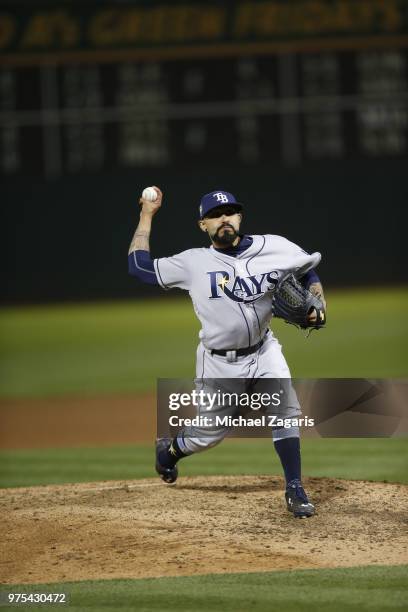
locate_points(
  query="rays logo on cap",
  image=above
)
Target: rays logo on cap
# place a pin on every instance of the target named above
(215, 199)
(221, 197)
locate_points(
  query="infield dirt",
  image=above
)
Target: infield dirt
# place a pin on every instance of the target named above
(58, 422)
(200, 525)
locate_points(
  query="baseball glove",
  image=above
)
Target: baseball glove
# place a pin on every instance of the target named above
(293, 303)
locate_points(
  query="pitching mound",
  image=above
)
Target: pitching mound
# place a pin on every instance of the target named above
(200, 525)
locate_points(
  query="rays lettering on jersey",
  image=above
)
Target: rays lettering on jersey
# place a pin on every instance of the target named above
(242, 289)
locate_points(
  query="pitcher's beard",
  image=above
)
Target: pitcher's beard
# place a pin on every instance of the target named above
(226, 238)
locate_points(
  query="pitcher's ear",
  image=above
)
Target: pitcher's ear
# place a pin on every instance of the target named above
(201, 225)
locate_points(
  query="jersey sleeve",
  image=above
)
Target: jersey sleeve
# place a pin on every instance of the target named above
(299, 260)
(140, 265)
(173, 271)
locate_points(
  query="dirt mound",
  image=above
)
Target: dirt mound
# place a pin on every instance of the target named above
(200, 525)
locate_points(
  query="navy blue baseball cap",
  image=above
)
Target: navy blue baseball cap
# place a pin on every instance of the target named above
(216, 199)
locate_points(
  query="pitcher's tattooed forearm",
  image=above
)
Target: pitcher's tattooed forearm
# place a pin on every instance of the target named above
(140, 241)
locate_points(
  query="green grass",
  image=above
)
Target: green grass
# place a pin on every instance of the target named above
(365, 459)
(375, 588)
(124, 347)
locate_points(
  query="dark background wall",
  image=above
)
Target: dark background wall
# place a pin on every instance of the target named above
(69, 238)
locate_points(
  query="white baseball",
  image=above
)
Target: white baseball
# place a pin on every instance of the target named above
(149, 194)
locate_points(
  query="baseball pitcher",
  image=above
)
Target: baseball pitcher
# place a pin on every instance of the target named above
(236, 285)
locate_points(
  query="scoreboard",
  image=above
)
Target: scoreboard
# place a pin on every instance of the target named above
(282, 109)
(275, 96)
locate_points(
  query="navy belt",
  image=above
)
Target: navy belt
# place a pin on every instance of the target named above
(239, 352)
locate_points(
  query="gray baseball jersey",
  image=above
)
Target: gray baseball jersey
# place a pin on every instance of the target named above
(232, 295)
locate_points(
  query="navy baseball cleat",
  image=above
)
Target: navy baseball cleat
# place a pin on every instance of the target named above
(168, 473)
(297, 500)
